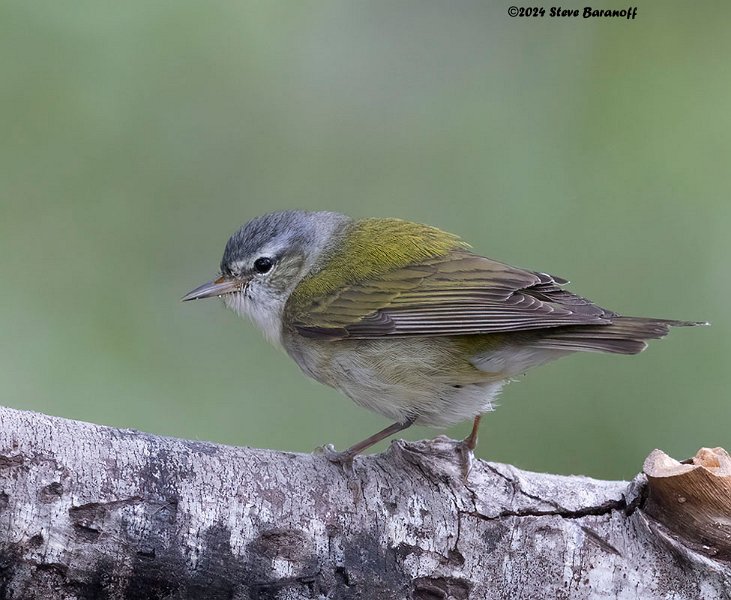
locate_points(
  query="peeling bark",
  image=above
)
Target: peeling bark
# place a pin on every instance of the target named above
(94, 512)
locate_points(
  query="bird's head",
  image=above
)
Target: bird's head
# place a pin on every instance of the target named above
(266, 259)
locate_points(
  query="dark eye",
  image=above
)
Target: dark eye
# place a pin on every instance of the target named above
(263, 264)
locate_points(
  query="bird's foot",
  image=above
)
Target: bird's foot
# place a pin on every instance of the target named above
(466, 456)
(344, 458)
(466, 448)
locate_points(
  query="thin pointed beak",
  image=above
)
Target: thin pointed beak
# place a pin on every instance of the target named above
(217, 287)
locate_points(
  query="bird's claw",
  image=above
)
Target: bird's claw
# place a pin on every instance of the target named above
(339, 458)
(467, 456)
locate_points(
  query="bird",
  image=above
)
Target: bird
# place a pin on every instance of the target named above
(404, 318)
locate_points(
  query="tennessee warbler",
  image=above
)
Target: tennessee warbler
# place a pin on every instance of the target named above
(404, 318)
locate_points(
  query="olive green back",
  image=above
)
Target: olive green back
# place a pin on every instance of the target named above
(370, 248)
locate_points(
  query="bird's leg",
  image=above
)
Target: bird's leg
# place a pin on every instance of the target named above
(471, 440)
(467, 447)
(347, 456)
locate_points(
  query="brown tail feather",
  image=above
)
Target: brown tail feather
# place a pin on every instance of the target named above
(625, 335)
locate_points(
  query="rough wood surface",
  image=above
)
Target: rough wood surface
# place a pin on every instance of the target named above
(99, 513)
(693, 500)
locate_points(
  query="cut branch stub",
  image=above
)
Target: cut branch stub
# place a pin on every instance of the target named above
(693, 500)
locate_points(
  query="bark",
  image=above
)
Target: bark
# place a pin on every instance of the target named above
(95, 512)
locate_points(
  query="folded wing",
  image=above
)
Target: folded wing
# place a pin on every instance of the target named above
(457, 294)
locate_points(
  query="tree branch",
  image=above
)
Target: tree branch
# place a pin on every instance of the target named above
(94, 512)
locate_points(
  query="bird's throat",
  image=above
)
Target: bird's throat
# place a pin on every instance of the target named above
(264, 310)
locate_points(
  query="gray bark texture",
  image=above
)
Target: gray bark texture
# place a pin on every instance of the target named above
(92, 512)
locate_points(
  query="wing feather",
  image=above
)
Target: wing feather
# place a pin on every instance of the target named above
(457, 294)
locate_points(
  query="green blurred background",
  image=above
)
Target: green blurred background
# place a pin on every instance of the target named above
(137, 136)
